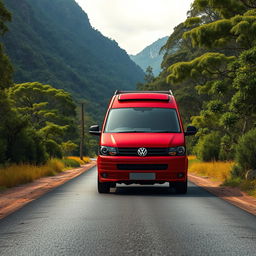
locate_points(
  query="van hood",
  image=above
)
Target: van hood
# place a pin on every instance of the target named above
(132, 140)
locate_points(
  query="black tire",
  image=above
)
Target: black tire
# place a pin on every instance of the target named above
(181, 187)
(103, 187)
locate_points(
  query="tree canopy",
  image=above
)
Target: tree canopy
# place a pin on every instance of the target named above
(35, 119)
(5, 16)
(5, 66)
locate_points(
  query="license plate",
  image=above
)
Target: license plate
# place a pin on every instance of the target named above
(142, 176)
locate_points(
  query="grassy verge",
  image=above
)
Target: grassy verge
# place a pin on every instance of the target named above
(218, 171)
(192, 160)
(221, 171)
(248, 186)
(77, 159)
(14, 175)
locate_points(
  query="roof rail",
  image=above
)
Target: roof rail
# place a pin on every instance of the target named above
(121, 92)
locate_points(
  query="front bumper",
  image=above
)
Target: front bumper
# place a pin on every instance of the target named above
(109, 168)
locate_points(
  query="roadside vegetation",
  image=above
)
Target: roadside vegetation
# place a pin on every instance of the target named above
(23, 173)
(248, 186)
(74, 161)
(77, 159)
(37, 121)
(216, 170)
(221, 171)
(16, 174)
(210, 65)
(38, 125)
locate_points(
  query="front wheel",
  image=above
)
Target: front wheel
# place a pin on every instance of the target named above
(103, 187)
(181, 187)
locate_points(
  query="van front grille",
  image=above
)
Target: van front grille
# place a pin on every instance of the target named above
(142, 167)
(151, 151)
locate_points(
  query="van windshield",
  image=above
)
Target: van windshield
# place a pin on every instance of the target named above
(143, 120)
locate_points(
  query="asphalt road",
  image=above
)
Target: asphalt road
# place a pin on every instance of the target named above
(75, 220)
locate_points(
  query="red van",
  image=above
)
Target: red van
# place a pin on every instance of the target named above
(142, 141)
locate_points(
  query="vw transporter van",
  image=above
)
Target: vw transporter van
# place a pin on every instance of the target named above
(142, 141)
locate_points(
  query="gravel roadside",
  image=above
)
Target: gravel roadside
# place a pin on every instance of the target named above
(232, 195)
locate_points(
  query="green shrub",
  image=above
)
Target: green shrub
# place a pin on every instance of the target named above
(236, 171)
(28, 148)
(70, 162)
(227, 148)
(245, 155)
(3, 145)
(53, 149)
(208, 147)
(55, 166)
(68, 147)
(19, 142)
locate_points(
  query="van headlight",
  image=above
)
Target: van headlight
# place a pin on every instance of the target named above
(177, 151)
(108, 151)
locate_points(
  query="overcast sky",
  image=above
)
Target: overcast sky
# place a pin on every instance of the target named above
(135, 24)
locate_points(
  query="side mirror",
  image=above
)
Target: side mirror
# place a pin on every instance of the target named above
(95, 130)
(191, 130)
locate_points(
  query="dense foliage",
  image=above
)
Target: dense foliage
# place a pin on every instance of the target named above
(37, 121)
(245, 153)
(49, 111)
(213, 76)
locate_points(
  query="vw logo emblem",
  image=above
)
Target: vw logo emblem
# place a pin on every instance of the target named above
(142, 151)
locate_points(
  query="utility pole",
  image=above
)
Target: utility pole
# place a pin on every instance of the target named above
(82, 131)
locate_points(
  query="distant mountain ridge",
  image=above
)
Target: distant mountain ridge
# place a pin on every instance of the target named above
(53, 42)
(150, 56)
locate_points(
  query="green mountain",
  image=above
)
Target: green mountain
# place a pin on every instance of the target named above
(150, 56)
(52, 41)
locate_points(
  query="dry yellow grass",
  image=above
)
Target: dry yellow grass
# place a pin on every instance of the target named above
(191, 157)
(84, 161)
(220, 171)
(19, 174)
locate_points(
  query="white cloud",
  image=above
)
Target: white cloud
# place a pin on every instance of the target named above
(134, 24)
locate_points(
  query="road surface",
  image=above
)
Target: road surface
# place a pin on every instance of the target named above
(75, 220)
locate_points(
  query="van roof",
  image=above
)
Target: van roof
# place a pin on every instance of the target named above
(143, 96)
(163, 99)
(162, 92)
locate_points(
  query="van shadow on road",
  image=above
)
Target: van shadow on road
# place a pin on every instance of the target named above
(193, 191)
